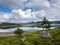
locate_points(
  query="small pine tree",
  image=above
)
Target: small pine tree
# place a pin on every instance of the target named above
(46, 24)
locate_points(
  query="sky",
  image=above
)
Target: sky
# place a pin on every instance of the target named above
(21, 11)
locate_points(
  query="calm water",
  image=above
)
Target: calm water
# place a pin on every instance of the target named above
(24, 28)
(27, 28)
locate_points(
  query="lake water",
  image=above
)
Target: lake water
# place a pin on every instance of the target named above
(27, 28)
(23, 28)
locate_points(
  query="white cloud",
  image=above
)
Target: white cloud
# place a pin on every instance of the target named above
(18, 15)
(52, 14)
(19, 4)
(13, 3)
(38, 3)
(49, 9)
(6, 16)
(39, 14)
(24, 14)
(55, 3)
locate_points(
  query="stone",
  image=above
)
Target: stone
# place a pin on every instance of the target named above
(45, 34)
(23, 39)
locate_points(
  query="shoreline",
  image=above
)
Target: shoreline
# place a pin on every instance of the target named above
(12, 33)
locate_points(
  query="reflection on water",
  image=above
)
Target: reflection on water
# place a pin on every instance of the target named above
(24, 28)
(8, 30)
(30, 28)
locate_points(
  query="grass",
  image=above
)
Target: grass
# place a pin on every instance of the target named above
(33, 38)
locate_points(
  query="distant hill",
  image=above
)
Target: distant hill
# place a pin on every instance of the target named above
(53, 22)
(6, 25)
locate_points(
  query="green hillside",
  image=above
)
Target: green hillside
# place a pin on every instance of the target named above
(33, 38)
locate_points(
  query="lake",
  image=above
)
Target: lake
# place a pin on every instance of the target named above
(23, 28)
(28, 28)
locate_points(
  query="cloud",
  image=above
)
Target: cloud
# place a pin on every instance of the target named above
(23, 14)
(3, 17)
(13, 3)
(51, 14)
(38, 3)
(55, 3)
(39, 14)
(19, 16)
(49, 9)
(20, 4)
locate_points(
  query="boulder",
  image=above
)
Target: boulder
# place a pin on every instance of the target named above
(23, 39)
(45, 34)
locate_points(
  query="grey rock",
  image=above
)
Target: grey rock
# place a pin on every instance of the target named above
(23, 39)
(45, 34)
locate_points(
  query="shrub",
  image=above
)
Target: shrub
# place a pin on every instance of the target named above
(18, 31)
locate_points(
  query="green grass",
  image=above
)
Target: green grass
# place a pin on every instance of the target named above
(33, 38)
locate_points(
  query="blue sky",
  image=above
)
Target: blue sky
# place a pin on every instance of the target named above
(4, 8)
(29, 10)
